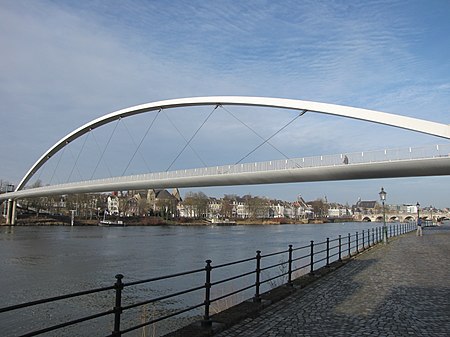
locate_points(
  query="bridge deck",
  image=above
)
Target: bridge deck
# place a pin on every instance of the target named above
(425, 161)
(401, 289)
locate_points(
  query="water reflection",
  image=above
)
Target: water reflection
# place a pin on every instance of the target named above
(50, 261)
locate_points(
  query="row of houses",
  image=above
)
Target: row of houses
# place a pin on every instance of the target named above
(198, 205)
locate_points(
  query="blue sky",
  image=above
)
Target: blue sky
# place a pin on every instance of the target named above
(64, 63)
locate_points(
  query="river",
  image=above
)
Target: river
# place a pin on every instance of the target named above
(38, 262)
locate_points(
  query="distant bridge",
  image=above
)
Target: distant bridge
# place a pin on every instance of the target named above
(363, 165)
(402, 217)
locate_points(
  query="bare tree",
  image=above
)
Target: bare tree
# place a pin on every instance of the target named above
(320, 207)
(197, 202)
(226, 207)
(257, 207)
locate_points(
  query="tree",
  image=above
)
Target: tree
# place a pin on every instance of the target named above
(256, 206)
(35, 203)
(320, 207)
(226, 207)
(167, 207)
(197, 203)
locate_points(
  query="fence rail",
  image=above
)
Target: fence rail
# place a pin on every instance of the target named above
(292, 263)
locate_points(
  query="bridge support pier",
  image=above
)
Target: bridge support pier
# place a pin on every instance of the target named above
(11, 212)
(14, 212)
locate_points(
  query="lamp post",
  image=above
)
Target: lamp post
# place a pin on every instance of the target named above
(418, 211)
(431, 210)
(383, 199)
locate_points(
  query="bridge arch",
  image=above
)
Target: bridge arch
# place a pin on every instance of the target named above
(413, 124)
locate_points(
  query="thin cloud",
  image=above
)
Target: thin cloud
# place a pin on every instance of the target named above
(64, 64)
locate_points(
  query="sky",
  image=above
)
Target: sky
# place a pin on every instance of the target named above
(65, 63)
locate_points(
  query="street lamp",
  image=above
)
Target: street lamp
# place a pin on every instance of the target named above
(383, 199)
(418, 214)
(431, 210)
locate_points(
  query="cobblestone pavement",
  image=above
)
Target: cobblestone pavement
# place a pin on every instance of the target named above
(401, 289)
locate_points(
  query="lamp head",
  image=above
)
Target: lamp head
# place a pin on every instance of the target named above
(382, 194)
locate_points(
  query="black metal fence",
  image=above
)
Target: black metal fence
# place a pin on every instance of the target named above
(291, 263)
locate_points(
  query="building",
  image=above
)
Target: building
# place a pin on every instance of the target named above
(112, 203)
(163, 202)
(362, 208)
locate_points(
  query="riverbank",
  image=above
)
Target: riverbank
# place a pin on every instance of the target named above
(59, 220)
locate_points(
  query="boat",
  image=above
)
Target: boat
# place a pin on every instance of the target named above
(110, 223)
(222, 222)
(119, 223)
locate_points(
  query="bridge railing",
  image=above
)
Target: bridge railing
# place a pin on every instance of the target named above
(353, 158)
(204, 288)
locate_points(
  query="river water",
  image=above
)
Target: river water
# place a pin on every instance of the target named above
(38, 262)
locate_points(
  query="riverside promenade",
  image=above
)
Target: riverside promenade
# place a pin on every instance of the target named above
(399, 289)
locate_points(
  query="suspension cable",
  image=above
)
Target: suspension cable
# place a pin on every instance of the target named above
(41, 171)
(102, 153)
(135, 144)
(57, 164)
(142, 140)
(267, 140)
(257, 134)
(195, 133)
(179, 132)
(78, 157)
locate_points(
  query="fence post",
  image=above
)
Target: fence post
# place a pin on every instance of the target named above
(206, 319)
(363, 240)
(257, 297)
(357, 248)
(312, 258)
(328, 252)
(118, 305)
(373, 237)
(349, 245)
(340, 248)
(290, 266)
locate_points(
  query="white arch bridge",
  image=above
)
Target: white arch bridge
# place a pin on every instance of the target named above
(425, 161)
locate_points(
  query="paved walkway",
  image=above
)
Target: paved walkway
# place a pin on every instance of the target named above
(402, 289)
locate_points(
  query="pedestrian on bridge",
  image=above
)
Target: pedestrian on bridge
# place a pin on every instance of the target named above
(419, 227)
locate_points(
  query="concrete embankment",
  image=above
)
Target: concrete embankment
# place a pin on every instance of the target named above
(398, 289)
